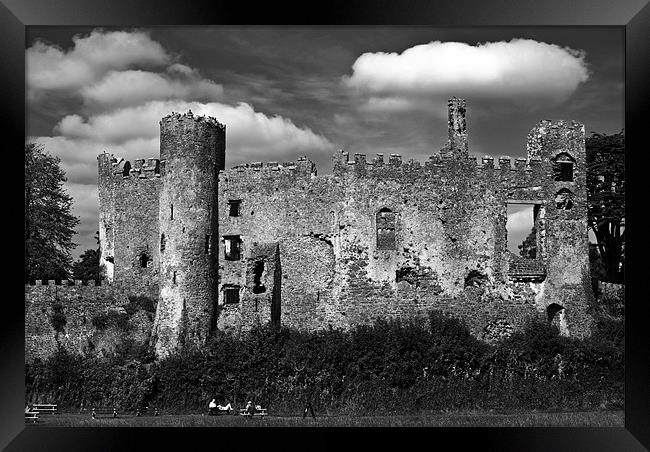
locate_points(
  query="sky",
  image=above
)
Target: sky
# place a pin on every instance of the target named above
(284, 92)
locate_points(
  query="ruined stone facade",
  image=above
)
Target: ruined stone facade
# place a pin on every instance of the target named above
(229, 249)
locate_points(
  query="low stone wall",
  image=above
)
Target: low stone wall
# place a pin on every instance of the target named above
(79, 317)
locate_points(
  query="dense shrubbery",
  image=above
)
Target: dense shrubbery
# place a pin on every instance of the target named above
(388, 367)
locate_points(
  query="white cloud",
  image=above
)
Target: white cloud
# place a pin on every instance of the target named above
(250, 135)
(51, 68)
(521, 71)
(124, 88)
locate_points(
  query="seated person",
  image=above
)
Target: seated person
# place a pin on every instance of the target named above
(249, 408)
(212, 407)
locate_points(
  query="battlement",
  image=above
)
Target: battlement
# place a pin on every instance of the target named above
(301, 167)
(440, 160)
(62, 282)
(119, 167)
(189, 116)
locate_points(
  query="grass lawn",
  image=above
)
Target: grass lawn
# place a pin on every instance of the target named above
(529, 419)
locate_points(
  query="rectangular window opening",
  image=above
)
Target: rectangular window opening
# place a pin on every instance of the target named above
(233, 207)
(208, 248)
(232, 247)
(171, 211)
(230, 294)
(522, 229)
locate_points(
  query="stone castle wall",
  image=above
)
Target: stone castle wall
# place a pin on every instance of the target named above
(75, 306)
(449, 220)
(276, 242)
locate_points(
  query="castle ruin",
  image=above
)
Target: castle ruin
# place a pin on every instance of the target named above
(274, 242)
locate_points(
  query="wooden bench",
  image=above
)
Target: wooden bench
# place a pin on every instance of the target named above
(147, 411)
(31, 416)
(257, 412)
(45, 408)
(104, 412)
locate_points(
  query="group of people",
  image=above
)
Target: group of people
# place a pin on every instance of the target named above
(214, 408)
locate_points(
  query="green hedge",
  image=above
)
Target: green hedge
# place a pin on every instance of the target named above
(387, 367)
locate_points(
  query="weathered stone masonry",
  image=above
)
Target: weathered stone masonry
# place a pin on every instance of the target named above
(229, 249)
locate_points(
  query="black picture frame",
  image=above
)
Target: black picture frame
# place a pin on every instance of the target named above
(633, 15)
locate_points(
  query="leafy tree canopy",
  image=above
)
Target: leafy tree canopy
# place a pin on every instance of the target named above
(49, 223)
(606, 198)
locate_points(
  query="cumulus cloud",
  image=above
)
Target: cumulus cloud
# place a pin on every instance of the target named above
(520, 70)
(51, 68)
(123, 88)
(127, 83)
(250, 135)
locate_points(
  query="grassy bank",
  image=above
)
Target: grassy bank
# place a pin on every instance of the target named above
(562, 419)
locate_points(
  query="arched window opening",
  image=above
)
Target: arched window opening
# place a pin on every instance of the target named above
(475, 279)
(564, 199)
(385, 222)
(563, 165)
(556, 317)
(126, 170)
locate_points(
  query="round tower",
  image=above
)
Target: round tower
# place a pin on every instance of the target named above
(192, 151)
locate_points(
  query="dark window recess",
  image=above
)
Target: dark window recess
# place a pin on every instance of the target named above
(110, 259)
(233, 207)
(563, 167)
(171, 211)
(232, 247)
(207, 244)
(385, 221)
(144, 260)
(231, 294)
(258, 270)
(564, 199)
(174, 278)
(163, 242)
(475, 279)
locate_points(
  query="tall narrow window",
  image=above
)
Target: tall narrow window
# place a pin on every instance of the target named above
(385, 222)
(174, 278)
(232, 247)
(258, 270)
(171, 211)
(233, 207)
(230, 294)
(563, 167)
(207, 243)
(522, 229)
(163, 242)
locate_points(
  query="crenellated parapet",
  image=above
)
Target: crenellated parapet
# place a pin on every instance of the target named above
(62, 282)
(189, 116)
(117, 167)
(437, 165)
(303, 167)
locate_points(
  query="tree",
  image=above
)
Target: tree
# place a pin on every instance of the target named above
(87, 267)
(49, 224)
(528, 248)
(606, 199)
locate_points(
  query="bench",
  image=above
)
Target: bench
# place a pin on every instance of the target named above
(104, 412)
(31, 416)
(147, 411)
(45, 408)
(259, 411)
